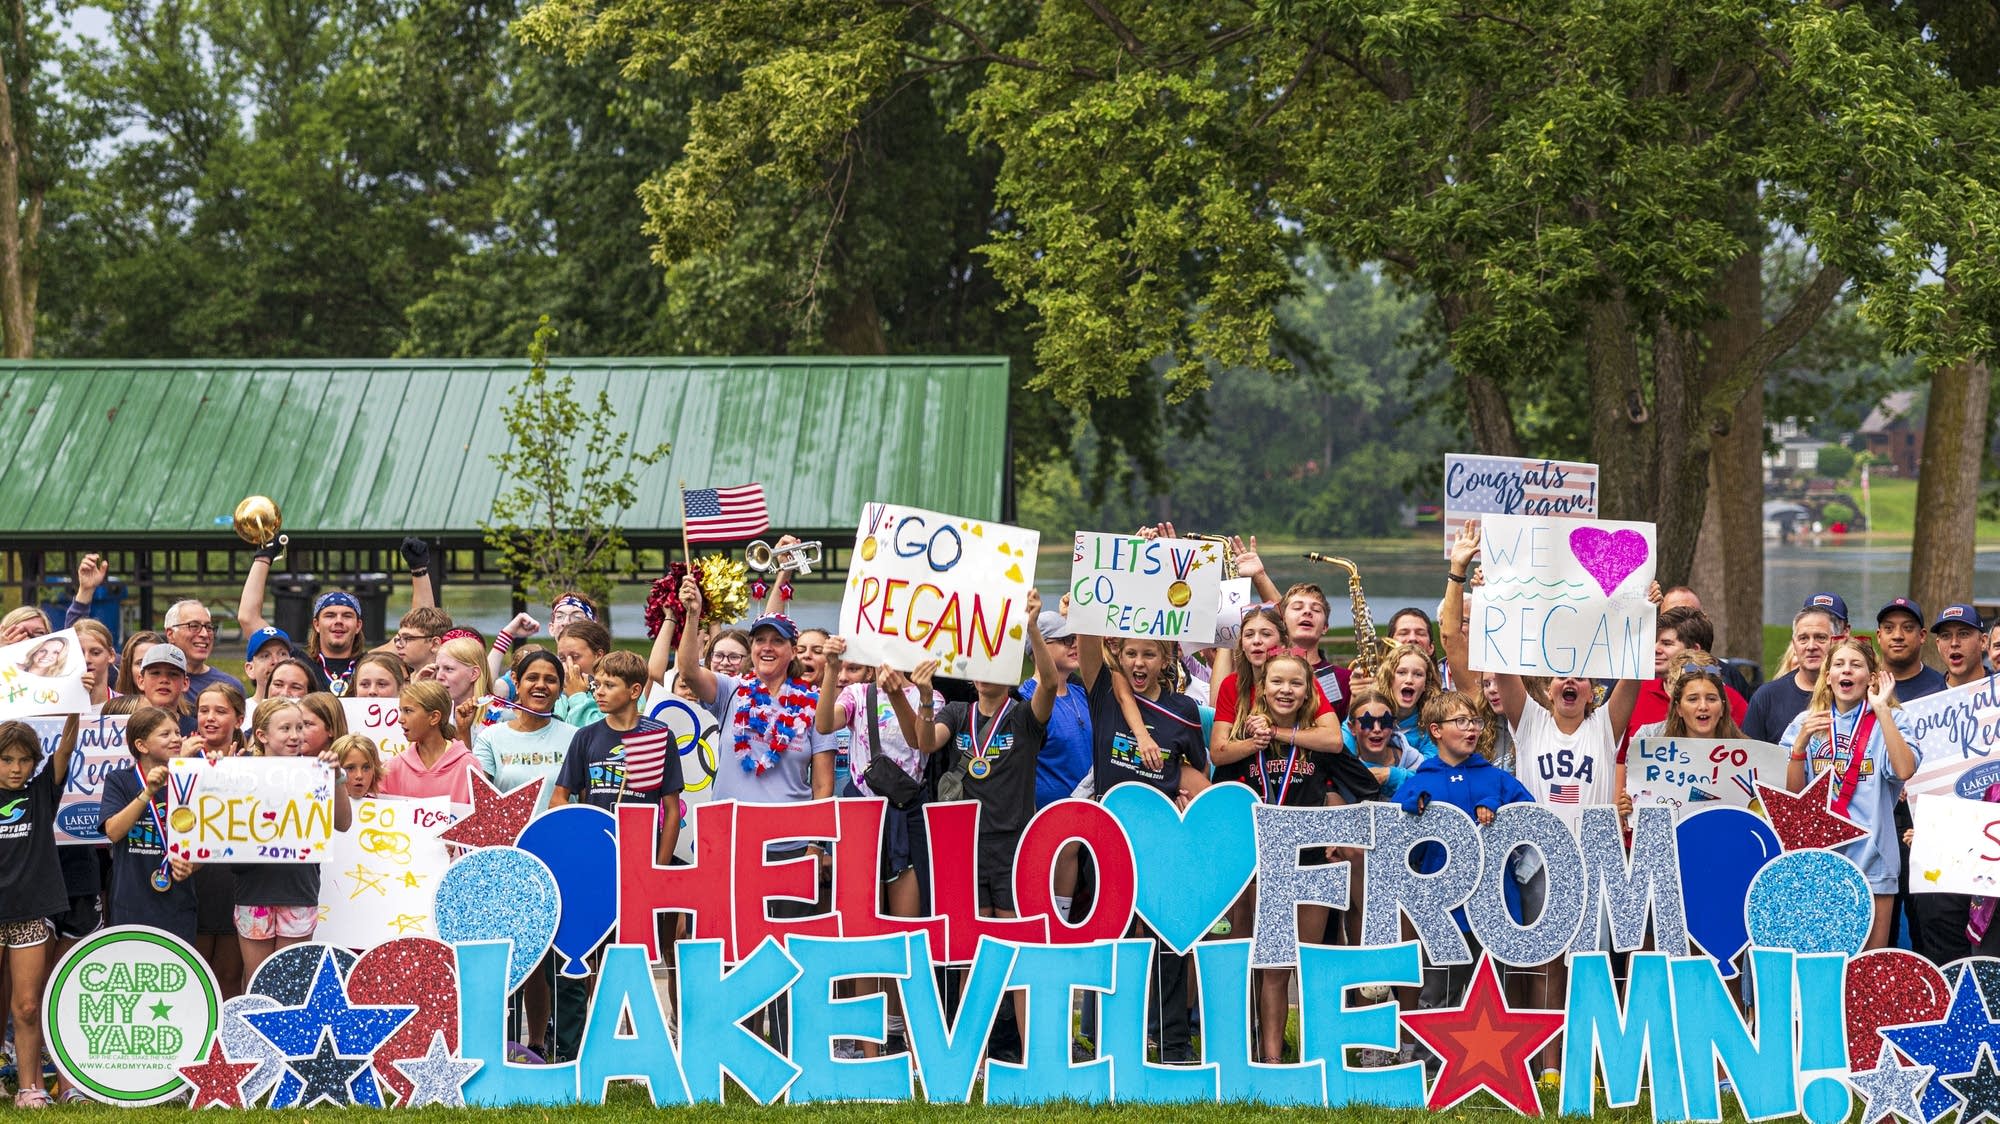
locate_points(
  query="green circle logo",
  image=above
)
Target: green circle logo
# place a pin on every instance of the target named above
(125, 1009)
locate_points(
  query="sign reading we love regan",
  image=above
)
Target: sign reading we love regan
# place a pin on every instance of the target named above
(1564, 597)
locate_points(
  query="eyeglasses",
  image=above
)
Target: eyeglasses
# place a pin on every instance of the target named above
(197, 626)
(1463, 722)
(1374, 722)
(403, 638)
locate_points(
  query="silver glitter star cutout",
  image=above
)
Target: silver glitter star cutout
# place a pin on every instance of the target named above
(439, 1078)
(1891, 1088)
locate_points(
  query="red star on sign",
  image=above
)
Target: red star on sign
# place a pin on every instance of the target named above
(497, 818)
(217, 1081)
(1806, 820)
(1485, 1044)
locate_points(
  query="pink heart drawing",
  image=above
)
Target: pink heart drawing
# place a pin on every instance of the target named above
(1608, 556)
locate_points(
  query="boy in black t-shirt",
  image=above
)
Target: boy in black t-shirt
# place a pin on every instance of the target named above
(31, 887)
(622, 758)
(996, 741)
(147, 887)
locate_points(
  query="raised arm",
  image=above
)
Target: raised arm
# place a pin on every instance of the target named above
(931, 734)
(1457, 647)
(826, 714)
(91, 571)
(1048, 681)
(778, 598)
(417, 554)
(1251, 565)
(890, 683)
(1513, 697)
(65, 749)
(250, 607)
(1624, 697)
(687, 661)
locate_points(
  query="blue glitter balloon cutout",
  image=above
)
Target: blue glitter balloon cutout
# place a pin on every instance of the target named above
(1810, 901)
(500, 893)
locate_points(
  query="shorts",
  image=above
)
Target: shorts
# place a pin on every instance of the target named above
(995, 880)
(24, 934)
(80, 920)
(269, 922)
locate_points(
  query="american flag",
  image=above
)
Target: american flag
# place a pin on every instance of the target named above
(1565, 794)
(1576, 499)
(646, 754)
(725, 514)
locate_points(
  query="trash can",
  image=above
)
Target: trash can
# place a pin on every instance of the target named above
(293, 594)
(372, 590)
(106, 608)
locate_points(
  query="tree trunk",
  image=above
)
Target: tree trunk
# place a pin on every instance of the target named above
(855, 328)
(1487, 410)
(17, 314)
(1618, 421)
(1680, 458)
(1734, 599)
(1948, 485)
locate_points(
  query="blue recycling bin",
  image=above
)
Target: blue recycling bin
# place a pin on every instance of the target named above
(106, 608)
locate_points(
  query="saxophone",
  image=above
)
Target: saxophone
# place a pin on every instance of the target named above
(1228, 557)
(1367, 645)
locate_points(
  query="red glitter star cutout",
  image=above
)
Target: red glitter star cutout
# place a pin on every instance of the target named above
(1485, 1044)
(218, 1081)
(1804, 821)
(497, 818)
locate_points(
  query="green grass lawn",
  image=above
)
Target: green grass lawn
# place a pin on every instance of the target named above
(1895, 508)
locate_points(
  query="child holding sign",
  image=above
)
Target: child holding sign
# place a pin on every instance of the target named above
(31, 885)
(1855, 728)
(147, 886)
(277, 904)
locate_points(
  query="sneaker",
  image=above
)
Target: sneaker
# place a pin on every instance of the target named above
(1221, 928)
(1182, 1056)
(846, 1050)
(32, 1098)
(1552, 1080)
(73, 1096)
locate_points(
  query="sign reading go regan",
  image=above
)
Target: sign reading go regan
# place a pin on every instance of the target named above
(930, 586)
(249, 809)
(1157, 589)
(1564, 597)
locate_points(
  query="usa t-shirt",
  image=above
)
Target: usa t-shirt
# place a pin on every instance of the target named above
(1566, 770)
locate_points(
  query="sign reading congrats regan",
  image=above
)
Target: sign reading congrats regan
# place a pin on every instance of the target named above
(1476, 487)
(930, 586)
(1564, 597)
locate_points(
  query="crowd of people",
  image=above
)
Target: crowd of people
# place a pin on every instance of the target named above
(798, 721)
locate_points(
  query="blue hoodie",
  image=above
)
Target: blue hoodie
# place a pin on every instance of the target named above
(1473, 784)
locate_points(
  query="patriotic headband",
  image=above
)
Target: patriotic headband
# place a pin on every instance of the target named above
(336, 597)
(577, 603)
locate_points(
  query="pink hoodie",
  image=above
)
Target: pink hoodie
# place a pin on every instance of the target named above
(405, 774)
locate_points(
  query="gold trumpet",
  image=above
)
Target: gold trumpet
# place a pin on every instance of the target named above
(1228, 556)
(258, 522)
(1367, 645)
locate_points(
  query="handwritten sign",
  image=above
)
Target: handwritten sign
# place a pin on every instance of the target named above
(695, 738)
(1956, 733)
(249, 809)
(380, 877)
(1156, 589)
(1690, 774)
(1476, 487)
(100, 749)
(925, 585)
(379, 720)
(43, 675)
(1235, 596)
(1956, 849)
(1564, 597)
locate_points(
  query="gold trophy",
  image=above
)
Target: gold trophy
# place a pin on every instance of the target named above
(259, 522)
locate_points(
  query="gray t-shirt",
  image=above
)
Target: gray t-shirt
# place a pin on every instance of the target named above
(787, 782)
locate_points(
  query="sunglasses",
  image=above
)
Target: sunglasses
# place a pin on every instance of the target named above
(1374, 722)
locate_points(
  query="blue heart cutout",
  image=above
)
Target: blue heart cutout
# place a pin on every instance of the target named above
(1217, 833)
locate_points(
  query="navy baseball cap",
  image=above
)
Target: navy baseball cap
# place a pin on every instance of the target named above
(784, 624)
(1901, 605)
(1827, 603)
(1959, 614)
(264, 636)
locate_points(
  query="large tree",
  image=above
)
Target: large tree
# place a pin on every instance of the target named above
(1560, 178)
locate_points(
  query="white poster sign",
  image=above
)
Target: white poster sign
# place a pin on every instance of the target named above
(1564, 597)
(1476, 487)
(380, 876)
(1690, 774)
(1155, 589)
(929, 586)
(249, 809)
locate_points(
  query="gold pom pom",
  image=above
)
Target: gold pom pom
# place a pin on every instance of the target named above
(725, 591)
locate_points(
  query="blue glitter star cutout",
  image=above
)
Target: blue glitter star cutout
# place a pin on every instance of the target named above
(1951, 1045)
(354, 1031)
(1978, 1092)
(327, 1077)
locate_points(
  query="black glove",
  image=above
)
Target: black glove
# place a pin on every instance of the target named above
(269, 552)
(416, 552)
